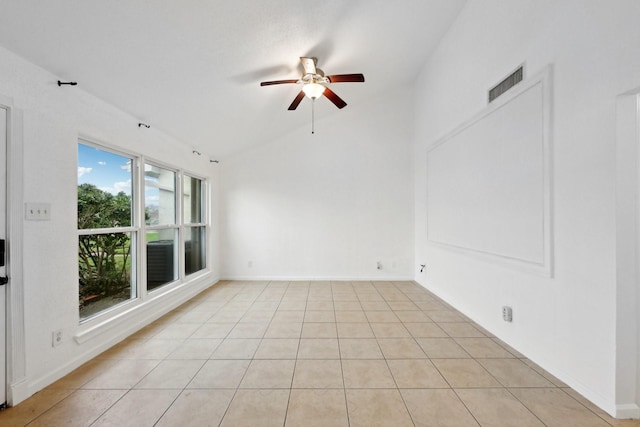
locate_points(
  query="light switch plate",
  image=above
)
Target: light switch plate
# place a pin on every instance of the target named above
(37, 211)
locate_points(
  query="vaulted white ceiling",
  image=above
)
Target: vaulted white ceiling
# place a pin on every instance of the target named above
(192, 68)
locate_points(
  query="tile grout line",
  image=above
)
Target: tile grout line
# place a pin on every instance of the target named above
(445, 379)
(342, 290)
(201, 367)
(583, 405)
(344, 388)
(396, 382)
(235, 392)
(525, 405)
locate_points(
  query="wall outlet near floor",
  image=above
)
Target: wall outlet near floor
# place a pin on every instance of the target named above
(56, 338)
(379, 265)
(250, 264)
(507, 314)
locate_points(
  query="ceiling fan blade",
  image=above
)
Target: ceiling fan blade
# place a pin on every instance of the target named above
(309, 65)
(346, 78)
(278, 82)
(296, 101)
(331, 95)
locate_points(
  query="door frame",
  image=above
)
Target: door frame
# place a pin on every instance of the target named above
(627, 257)
(16, 388)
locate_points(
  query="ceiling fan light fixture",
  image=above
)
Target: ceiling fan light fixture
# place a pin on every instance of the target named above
(313, 90)
(315, 84)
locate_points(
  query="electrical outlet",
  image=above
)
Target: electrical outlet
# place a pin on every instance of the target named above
(379, 265)
(56, 337)
(507, 314)
(250, 264)
(37, 211)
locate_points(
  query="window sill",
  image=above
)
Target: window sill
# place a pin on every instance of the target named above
(133, 315)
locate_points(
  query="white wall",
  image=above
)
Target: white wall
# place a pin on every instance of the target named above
(566, 323)
(324, 206)
(53, 119)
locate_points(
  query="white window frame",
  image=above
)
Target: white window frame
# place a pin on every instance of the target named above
(139, 227)
(175, 226)
(204, 218)
(135, 229)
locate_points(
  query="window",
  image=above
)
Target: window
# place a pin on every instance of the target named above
(195, 227)
(106, 231)
(161, 227)
(117, 227)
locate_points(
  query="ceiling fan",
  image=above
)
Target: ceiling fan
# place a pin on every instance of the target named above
(314, 83)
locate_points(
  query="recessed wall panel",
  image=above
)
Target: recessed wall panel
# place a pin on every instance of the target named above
(488, 181)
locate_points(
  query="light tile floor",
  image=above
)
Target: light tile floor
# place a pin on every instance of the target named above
(310, 354)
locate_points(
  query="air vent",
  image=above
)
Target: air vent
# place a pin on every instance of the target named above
(511, 80)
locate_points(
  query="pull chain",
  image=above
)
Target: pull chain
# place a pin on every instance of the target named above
(313, 103)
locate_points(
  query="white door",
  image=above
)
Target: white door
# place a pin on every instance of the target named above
(3, 257)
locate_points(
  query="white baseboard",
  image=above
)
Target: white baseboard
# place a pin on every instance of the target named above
(17, 392)
(622, 411)
(399, 278)
(127, 325)
(626, 411)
